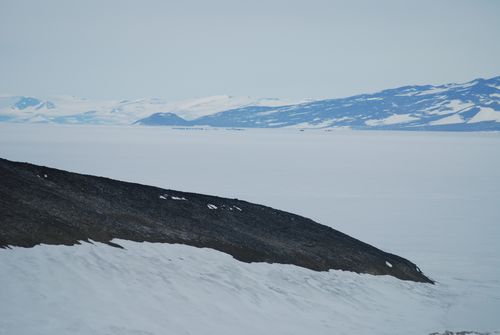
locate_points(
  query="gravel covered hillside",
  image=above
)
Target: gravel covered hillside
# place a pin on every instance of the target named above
(44, 205)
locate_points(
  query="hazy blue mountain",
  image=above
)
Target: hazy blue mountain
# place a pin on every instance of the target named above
(473, 106)
(25, 102)
(164, 119)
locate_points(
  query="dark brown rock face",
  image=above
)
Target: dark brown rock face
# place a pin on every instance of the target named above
(44, 205)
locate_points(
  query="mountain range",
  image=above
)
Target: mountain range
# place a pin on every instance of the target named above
(471, 106)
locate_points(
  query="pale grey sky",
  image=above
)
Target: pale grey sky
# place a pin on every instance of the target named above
(291, 49)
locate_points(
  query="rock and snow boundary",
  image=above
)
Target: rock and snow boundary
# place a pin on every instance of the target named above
(65, 208)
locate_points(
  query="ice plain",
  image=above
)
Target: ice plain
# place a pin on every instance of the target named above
(433, 198)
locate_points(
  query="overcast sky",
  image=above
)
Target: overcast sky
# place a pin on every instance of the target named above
(289, 49)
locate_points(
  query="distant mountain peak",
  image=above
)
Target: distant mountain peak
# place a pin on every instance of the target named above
(25, 102)
(161, 119)
(469, 106)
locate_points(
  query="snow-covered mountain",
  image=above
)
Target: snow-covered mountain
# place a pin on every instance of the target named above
(74, 110)
(471, 106)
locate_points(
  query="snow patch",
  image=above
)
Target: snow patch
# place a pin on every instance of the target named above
(393, 119)
(485, 114)
(458, 105)
(434, 90)
(452, 119)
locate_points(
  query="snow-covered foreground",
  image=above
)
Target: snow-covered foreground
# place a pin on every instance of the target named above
(430, 197)
(175, 289)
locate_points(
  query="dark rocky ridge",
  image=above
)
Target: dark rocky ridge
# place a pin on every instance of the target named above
(44, 205)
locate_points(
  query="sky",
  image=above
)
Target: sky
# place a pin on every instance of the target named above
(119, 49)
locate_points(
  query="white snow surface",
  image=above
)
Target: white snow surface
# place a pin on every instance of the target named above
(152, 288)
(429, 197)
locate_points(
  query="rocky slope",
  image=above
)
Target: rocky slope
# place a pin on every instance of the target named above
(44, 205)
